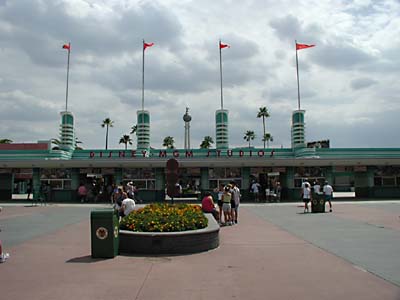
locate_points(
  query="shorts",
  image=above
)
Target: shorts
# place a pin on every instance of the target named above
(328, 197)
(219, 202)
(306, 200)
(233, 204)
(226, 207)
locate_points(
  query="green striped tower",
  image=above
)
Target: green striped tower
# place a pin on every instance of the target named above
(67, 131)
(221, 126)
(143, 130)
(298, 129)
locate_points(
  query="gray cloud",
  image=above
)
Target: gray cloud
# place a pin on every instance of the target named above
(361, 83)
(340, 56)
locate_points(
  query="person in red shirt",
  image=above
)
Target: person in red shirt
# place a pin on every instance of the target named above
(208, 206)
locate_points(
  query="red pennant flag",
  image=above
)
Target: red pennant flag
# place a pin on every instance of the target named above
(66, 46)
(303, 46)
(145, 45)
(221, 46)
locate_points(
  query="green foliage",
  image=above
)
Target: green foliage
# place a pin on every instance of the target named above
(165, 218)
(169, 142)
(207, 142)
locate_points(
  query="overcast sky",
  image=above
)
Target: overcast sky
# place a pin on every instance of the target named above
(349, 81)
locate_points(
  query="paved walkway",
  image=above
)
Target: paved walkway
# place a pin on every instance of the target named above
(275, 252)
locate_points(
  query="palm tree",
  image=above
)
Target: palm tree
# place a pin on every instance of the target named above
(107, 123)
(169, 142)
(268, 138)
(5, 141)
(249, 135)
(263, 113)
(125, 139)
(133, 130)
(206, 143)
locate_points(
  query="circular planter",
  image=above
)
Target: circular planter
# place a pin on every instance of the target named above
(182, 242)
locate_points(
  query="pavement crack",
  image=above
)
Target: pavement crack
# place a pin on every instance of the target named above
(144, 281)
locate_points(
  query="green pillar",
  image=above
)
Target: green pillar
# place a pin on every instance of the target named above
(118, 176)
(289, 178)
(245, 178)
(74, 178)
(160, 178)
(298, 129)
(143, 130)
(329, 175)
(36, 183)
(67, 131)
(370, 177)
(221, 129)
(363, 183)
(204, 180)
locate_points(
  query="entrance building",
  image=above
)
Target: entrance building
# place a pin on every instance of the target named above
(370, 173)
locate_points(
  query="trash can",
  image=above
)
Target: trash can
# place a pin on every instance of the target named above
(104, 233)
(318, 204)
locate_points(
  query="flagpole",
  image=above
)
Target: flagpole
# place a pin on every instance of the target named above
(220, 72)
(143, 78)
(298, 82)
(66, 93)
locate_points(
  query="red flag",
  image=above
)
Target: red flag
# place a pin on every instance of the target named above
(145, 45)
(303, 46)
(66, 46)
(221, 46)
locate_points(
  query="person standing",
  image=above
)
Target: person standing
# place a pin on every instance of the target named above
(226, 205)
(255, 189)
(316, 188)
(328, 193)
(220, 192)
(306, 195)
(29, 190)
(278, 190)
(235, 191)
(82, 193)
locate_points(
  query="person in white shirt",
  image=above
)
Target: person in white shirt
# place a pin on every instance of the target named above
(306, 195)
(235, 191)
(328, 193)
(128, 205)
(317, 188)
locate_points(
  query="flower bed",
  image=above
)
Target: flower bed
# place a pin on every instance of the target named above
(165, 218)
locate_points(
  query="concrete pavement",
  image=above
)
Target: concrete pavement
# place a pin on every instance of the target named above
(275, 252)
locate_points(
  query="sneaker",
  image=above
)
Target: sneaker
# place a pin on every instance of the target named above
(236, 221)
(330, 210)
(3, 257)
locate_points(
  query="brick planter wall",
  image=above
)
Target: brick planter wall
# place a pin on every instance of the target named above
(184, 242)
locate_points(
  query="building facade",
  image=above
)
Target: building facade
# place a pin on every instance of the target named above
(370, 173)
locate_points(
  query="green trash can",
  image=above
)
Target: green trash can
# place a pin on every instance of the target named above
(318, 204)
(104, 233)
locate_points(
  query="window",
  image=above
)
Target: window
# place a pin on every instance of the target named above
(58, 179)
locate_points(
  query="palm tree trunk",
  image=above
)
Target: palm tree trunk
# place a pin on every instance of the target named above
(107, 137)
(126, 146)
(264, 130)
(267, 143)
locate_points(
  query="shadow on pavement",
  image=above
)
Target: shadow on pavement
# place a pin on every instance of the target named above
(87, 259)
